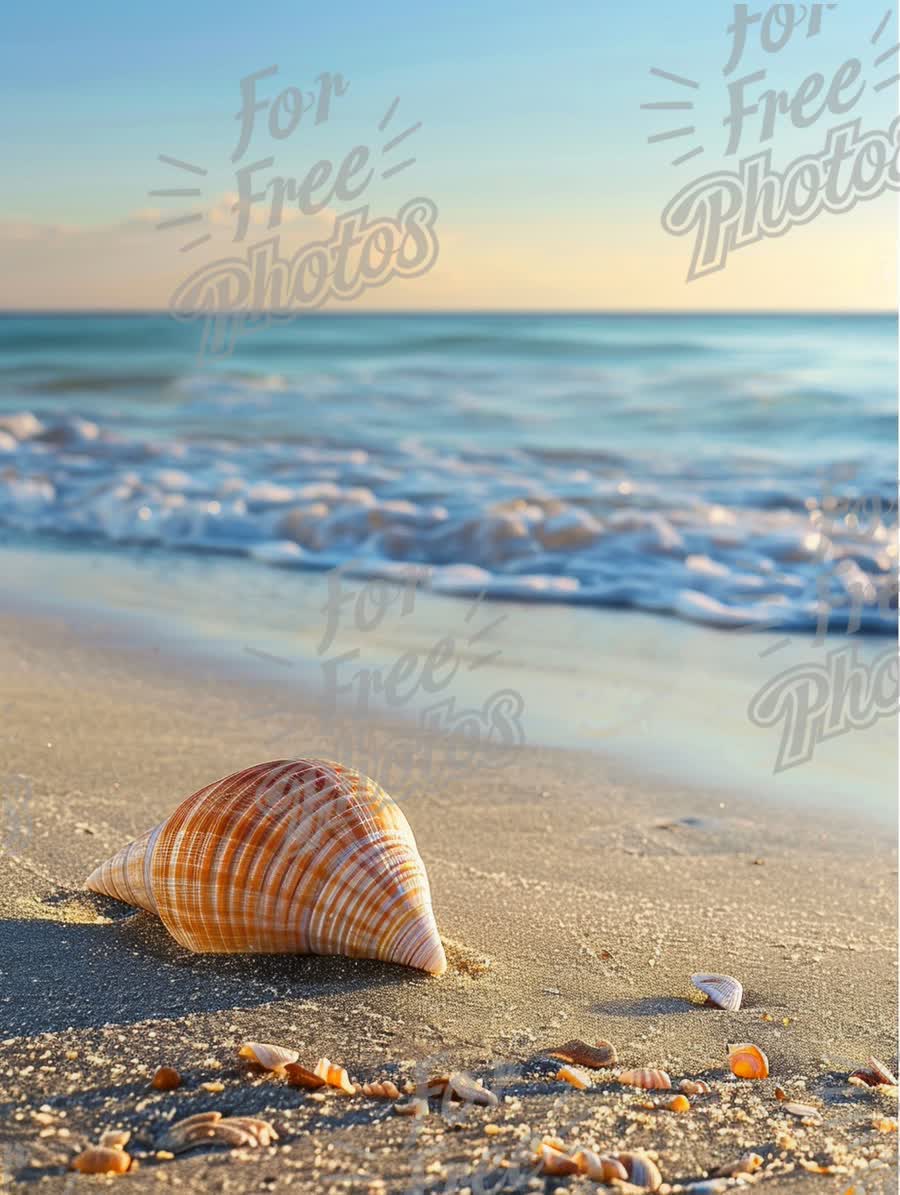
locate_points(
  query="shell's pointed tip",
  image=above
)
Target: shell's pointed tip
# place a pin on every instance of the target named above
(429, 954)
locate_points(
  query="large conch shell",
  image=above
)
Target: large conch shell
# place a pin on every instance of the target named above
(297, 856)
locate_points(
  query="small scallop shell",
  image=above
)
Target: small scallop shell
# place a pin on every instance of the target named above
(642, 1171)
(384, 1090)
(748, 1061)
(206, 1128)
(722, 991)
(166, 1078)
(554, 1162)
(299, 1076)
(597, 1057)
(296, 856)
(273, 1058)
(334, 1076)
(101, 1159)
(577, 1078)
(650, 1080)
(599, 1167)
(694, 1087)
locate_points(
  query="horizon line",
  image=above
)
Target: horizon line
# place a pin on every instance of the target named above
(467, 311)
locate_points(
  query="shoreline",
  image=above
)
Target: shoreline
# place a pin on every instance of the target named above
(666, 700)
(593, 894)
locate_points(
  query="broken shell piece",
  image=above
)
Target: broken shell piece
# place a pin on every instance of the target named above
(876, 1074)
(166, 1078)
(694, 1087)
(600, 1168)
(804, 1111)
(650, 1080)
(417, 1108)
(678, 1103)
(299, 1076)
(780, 1093)
(273, 1058)
(436, 1086)
(748, 1061)
(554, 1162)
(885, 1124)
(597, 1057)
(642, 1171)
(101, 1159)
(115, 1138)
(214, 1129)
(470, 1090)
(385, 1090)
(747, 1164)
(334, 1076)
(722, 991)
(571, 1074)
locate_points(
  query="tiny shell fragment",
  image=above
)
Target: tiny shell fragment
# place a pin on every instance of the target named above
(803, 1111)
(876, 1075)
(417, 1108)
(101, 1159)
(679, 1103)
(115, 1138)
(385, 1090)
(299, 1076)
(166, 1078)
(748, 1164)
(650, 1080)
(642, 1171)
(601, 1168)
(748, 1061)
(273, 1058)
(577, 1078)
(597, 1057)
(722, 991)
(334, 1076)
(694, 1087)
(470, 1090)
(885, 1124)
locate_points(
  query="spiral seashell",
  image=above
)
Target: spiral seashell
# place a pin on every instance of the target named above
(748, 1061)
(334, 1076)
(272, 1058)
(642, 1171)
(296, 856)
(722, 991)
(650, 1080)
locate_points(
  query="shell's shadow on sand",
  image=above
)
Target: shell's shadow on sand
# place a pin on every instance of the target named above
(89, 973)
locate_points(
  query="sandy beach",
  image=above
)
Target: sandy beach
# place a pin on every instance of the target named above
(577, 899)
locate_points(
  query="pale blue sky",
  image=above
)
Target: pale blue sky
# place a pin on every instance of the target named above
(531, 110)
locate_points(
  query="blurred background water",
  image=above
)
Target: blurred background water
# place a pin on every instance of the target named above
(728, 469)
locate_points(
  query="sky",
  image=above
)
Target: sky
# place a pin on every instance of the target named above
(533, 146)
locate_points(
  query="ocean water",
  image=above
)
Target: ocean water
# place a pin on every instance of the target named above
(739, 471)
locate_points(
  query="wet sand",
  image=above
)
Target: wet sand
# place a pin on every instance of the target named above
(594, 895)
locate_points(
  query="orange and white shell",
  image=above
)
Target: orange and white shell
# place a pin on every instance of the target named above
(296, 856)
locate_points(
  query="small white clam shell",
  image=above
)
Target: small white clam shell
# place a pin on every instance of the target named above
(722, 991)
(273, 1058)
